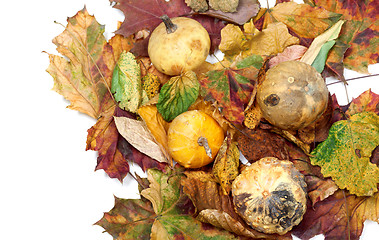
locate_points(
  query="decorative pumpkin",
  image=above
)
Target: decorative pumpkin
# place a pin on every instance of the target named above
(194, 139)
(270, 195)
(178, 45)
(292, 95)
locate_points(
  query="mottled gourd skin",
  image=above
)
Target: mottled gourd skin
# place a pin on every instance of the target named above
(270, 195)
(180, 51)
(183, 135)
(292, 95)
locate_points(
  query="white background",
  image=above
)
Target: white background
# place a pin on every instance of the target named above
(49, 189)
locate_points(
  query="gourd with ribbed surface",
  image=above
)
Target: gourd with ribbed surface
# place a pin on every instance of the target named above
(194, 139)
(270, 195)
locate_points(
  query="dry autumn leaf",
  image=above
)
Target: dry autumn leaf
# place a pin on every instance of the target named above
(81, 76)
(138, 135)
(226, 165)
(340, 216)
(167, 214)
(84, 77)
(358, 36)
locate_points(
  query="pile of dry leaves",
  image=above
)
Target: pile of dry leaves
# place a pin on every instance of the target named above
(338, 155)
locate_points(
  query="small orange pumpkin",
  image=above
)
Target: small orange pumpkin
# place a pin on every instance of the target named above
(194, 139)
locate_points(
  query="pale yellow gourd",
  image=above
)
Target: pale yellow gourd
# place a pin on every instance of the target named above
(178, 45)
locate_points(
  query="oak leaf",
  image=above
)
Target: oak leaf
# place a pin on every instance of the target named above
(82, 76)
(345, 154)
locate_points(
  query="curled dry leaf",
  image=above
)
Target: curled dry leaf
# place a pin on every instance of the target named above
(157, 126)
(253, 116)
(223, 220)
(138, 135)
(226, 164)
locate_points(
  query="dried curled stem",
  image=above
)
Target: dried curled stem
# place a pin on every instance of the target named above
(202, 141)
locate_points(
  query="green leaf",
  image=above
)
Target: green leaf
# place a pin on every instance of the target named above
(345, 154)
(177, 95)
(320, 60)
(318, 43)
(126, 82)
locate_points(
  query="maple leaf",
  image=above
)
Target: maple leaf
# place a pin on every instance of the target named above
(365, 102)
(232, 87)
(340, 216)
(345, 154)
(359, 35)
(163, 212)
(82, 76)
(270, 41)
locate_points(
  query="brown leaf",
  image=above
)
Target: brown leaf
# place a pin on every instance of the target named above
(340, 216)
(253, 116)
(266, 144)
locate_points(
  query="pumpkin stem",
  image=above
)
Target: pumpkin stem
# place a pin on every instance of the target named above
(170, 26)
(202, 141)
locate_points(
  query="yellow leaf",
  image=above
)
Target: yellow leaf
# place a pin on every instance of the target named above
(156, 125)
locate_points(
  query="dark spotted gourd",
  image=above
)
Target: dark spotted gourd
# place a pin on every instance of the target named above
(270, 195)
(292, 95)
